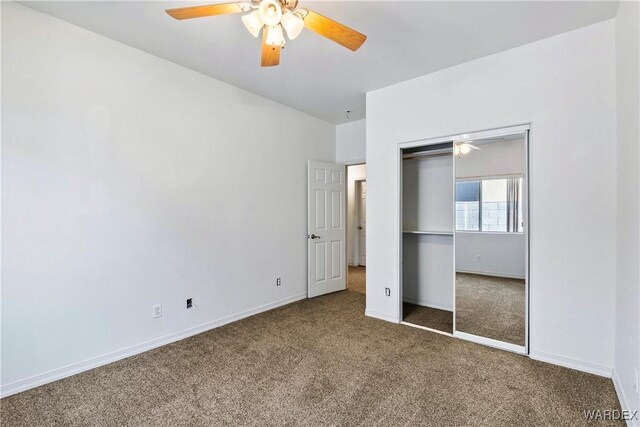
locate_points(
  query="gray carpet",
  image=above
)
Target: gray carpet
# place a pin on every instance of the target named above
(492, 307)
(357, 279)
(312, 363)
(433, 318)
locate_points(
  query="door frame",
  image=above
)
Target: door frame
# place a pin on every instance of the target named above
(525, 128)
(355, 179)
(357, 215)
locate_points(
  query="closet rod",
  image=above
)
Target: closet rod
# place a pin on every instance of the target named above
(426, 154)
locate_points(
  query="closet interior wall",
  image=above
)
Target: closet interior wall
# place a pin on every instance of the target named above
(428, 238)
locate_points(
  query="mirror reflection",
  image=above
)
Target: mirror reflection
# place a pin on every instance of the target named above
(490, 242)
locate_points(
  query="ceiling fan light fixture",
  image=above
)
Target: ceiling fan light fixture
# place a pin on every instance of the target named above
(464, 148)
(270, 12)
(275, 36)
(253, 23)
(293, 24)
(246, 7)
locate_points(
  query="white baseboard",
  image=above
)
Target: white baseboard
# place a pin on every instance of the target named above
(624, 402)
(424, 303)
(488, 273)
(578, 365)
(381, 316)
(76, 368)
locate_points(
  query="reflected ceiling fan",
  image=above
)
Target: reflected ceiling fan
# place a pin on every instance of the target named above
(274, 18)
(464, 148)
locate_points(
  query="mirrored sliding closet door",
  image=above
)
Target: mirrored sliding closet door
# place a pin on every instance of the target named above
(491, 289)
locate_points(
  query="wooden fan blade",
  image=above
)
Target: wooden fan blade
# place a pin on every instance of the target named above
(341, 34)
(270, 54)
(208, 10)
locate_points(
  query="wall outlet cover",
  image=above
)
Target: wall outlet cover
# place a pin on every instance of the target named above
(157, 310)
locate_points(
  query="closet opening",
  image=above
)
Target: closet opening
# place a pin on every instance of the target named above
(464, 245)
(427, 237)
(356, 227)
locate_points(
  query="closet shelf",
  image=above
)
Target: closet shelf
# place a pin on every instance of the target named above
(437, 233)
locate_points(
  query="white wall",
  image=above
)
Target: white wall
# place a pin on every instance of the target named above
(494, 158)
(427, 194)
(351, 150)
(427, 274)
(351, 142)
(354, 173)
(130, 181)
(627, 334)
(427, 205)
(564, 86)
(495, 254)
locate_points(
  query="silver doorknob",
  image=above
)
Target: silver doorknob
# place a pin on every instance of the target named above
(313, 236)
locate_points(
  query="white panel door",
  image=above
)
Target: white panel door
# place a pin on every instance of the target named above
(326, 228)
(362, 223)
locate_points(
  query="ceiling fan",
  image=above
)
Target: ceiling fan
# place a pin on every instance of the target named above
(274, 18)
(464, 148)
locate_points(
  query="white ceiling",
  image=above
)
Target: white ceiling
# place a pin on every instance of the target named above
(405, 40)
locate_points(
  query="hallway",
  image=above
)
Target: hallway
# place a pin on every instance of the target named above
(357, 279)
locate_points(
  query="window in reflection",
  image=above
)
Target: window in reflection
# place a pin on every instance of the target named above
(493, 205)
(468, 206)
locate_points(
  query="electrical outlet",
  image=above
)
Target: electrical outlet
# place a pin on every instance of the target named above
(478, 258)
(387, 292)
(278, 281)
(157, 310)
(636, 382)
(189, 302)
